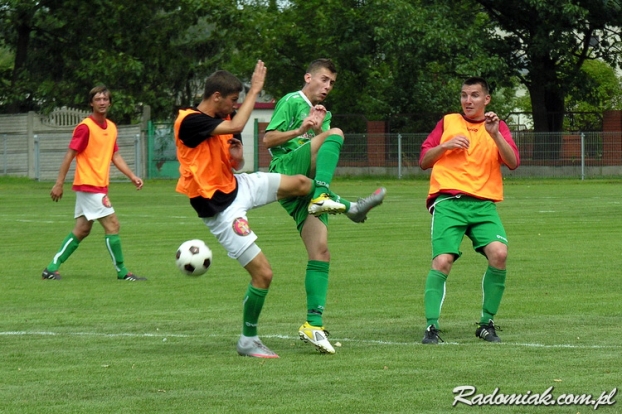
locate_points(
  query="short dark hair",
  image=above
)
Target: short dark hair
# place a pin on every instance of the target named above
(476, 80)
(99, 89)
(321, 63)
(222, 81)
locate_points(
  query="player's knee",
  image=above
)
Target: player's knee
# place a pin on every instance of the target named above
(110, 224)
(443, 263)
(262, 278)
(497, 254)
(336, 131)
(321, 254)
(81, 233)
(294, 186)
(498, 260)
(303, 184)
(113, 228)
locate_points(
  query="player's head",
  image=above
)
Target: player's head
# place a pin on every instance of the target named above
(100, 99)
(476, 80)
(99, 89)
(223, 89)
(319, 79)
(474, 97)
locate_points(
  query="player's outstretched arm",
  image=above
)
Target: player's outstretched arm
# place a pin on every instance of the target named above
(237, 123)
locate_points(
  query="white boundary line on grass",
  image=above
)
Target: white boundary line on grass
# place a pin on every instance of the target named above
(376, 342)
(110, 335)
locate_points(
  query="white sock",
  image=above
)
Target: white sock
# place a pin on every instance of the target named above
(248, 339)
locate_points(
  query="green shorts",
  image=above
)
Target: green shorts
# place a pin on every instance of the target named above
(292, 163)
(457, 216)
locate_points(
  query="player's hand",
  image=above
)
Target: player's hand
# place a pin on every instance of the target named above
(137, 182)
(259, 77)
(457, 142)
(236, 151)
(307, 124)
(491, 123)
(57, 192)
(318, 112)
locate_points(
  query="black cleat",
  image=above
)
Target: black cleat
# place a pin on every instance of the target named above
(47, 274)
(131, 277)
(430, 336)
(488, 332)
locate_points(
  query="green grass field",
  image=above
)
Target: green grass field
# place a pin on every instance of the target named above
(92, 344)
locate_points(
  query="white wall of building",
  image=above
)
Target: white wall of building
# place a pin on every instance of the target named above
(248, 136)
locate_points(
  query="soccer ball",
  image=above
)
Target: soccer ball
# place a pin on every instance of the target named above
(193, 257)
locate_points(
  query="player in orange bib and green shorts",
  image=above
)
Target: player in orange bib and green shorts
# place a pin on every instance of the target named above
(301, 141)
(466, 152)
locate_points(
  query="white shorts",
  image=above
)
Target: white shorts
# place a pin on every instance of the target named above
(231, 226)
(93, 206)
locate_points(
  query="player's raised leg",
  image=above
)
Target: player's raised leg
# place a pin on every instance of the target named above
(358, 211)
(325, 150)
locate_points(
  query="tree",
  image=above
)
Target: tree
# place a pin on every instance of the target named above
(147, 53)
(546, 43)
(398, 60)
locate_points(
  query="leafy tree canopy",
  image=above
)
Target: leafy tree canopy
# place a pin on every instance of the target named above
(398, 60)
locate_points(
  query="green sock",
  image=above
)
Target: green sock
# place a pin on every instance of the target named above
(113, 244)
(69, 245)
(338, 198)
(493, 286)
(253, 303)
(434, 296)
(326, 162)
(316, 286)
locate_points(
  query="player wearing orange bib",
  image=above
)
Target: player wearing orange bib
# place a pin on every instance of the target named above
(209, 149)
(94, 146)
(466, 152)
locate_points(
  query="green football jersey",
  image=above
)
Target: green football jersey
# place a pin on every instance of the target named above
(289, 114)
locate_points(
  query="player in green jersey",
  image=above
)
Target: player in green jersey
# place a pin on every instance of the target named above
(301, 141)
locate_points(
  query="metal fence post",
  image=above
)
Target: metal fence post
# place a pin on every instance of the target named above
(5, 146)
(256, 146)
(399, 156)
(37, 158)
(137, 157)
(582, 156)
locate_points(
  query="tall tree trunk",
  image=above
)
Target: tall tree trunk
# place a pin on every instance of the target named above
(547, 102)
(21, 55)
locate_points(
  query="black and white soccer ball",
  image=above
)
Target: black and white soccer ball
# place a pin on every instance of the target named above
(193, 257)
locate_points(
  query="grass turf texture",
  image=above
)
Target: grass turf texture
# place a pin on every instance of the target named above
(90, 343)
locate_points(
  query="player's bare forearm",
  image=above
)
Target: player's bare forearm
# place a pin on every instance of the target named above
(431, 157)
(244, 112)
(122, 166)
(57, 190)
(506, 152)
(64, 166)
(275, 138)
(434, 154)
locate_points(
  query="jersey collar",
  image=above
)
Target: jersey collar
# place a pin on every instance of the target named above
(303, 96)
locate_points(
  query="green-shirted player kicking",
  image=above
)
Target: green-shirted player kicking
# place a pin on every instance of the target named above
(301, 141)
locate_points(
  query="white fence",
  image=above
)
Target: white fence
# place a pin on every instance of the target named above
(32, 145)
